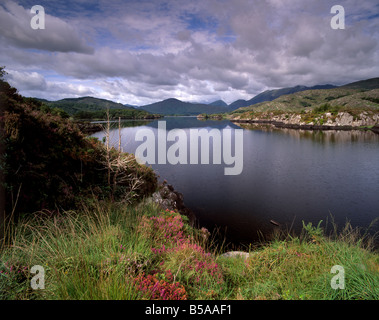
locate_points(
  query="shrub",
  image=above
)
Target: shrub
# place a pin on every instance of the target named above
(160, 287)
(49, 164)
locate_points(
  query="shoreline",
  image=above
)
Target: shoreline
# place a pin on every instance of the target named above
(279, 124)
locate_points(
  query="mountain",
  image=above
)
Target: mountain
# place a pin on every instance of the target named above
(131, 106)
(368, 84)
(270, 95)
(218, 103)
(238, 104)
(176, 107)
(358, 95)
(87, 104)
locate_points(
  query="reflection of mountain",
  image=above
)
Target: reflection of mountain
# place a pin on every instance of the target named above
(328, 136)
(125, 123)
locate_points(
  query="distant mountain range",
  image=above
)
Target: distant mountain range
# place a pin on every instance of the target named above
(88, 104)
(177, 107)
(353, 96)
(218, 103)
(270, 95)
(174, 106)
(368, 84)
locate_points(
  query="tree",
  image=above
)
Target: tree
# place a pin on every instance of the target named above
(2, 73)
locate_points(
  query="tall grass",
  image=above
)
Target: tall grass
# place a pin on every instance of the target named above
(300, 267)
(111, 251)
(86, 255)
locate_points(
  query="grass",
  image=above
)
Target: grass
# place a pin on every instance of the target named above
(112, 251)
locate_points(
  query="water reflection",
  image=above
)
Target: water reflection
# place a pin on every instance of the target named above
(124, 123)
(320, 136)
(288, 176)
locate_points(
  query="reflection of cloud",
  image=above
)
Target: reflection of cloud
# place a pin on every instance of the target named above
(146, 51)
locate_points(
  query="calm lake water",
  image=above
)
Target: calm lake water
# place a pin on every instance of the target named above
(288, 176)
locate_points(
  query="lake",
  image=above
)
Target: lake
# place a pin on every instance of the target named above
(288, 176)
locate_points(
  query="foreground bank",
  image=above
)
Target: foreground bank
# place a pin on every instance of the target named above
(112, 251)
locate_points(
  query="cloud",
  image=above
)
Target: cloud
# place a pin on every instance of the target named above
(58, 35)
(32, 84)
(26, 81)
(144, 51)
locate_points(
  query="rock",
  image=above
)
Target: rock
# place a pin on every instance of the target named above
(235, 254)
(169, 199)
(344, 119)
(88, 127)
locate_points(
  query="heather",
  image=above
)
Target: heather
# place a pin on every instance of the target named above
(49, 164)
(117, 251)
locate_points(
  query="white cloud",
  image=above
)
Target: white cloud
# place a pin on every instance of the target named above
(26, 81)
(57, 36)
(195, 50)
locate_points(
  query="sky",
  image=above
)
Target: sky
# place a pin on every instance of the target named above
(140, 52)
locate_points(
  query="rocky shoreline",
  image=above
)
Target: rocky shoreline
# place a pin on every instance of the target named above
(170, 199)
(342, 121)
(306, 126)
(88, 127)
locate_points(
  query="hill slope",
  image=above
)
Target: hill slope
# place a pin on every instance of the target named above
(354, 105)
(357, 95)
(368, 84)
(218, 103)
(270, 95)
(88, 104)
(96, 109)
(48, 164)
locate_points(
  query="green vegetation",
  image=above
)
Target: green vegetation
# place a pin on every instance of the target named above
(83, 211)
(90, 108)
(327, 108)
(368, 84)
(270, 95)
(218, 116)
(316, 115)
(177, 107)
(375, 100)
(55, 111)
(88, 104)
(313, 105)
(49, 164)
(114, 114)
(112, 251)
(359, 96)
